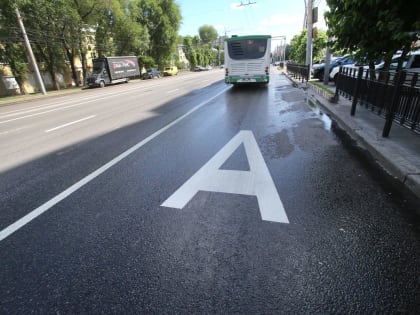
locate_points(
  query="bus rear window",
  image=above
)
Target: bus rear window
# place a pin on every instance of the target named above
(247, 48)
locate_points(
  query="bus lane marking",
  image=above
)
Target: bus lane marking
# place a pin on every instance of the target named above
(255, 182)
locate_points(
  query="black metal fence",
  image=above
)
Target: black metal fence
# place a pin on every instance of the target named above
(297, 71)
(395, 96)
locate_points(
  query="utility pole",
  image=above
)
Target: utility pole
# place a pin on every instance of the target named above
(309, 23)
(31, 56)
(244, 4)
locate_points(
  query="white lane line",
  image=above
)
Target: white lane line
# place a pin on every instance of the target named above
(70, 123)
(57, 107)
(53, 105)
(61, 196)
(172, 91)
(42, 113)
(11, 131)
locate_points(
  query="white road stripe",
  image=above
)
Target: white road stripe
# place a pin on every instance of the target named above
(61, 196)
(85, 97)
(70, 123)
(172, 91)
(55, 107)
(12, 130)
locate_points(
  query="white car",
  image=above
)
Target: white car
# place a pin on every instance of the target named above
(411, 62)
(378, 66)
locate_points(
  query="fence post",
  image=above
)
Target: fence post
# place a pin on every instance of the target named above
(394, 103)
(308, 73)
(337, 86)
(356, 91)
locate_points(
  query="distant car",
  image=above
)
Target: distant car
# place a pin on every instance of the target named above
(411, 63)
(199, 68)
(318, 70)
(151, 74)
(170, 71)
(209, 67)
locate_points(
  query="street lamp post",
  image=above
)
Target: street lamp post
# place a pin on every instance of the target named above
(309, 23)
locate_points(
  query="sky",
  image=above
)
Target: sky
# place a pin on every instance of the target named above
(266, 17)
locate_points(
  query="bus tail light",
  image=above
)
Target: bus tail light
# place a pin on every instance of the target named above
(226, 72)
(266, 70)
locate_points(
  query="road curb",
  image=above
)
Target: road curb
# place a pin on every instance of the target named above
(388, 156)
(404, 174)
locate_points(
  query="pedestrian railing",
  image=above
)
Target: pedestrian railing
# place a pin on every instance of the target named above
(297, 71)
(395, 96)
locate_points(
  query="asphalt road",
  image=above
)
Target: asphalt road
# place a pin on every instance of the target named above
(184, 195)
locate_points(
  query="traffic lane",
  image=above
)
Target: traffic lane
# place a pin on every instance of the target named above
(134, 93)
(111, 246)
(144, 233)
(26, 187)
(22, 130)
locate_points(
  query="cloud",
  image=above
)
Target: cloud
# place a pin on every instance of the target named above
(281, 20)
(281, 25)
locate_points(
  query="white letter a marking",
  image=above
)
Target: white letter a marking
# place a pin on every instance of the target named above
(255, 182)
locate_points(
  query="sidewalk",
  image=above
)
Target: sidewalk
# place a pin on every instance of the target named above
(399, 154)
(10, 100)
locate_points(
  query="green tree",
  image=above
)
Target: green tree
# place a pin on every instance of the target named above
(131, 38)
(374, 28)
(89, 12)
(297, 51)
(12, 50)
(208, 34)
(190, 51)
(161, 19)
(44, 23)
(297, 48)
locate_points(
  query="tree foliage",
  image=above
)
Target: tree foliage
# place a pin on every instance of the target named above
(198, 49)
(58, 31)
(297, 47)
(373, 28)
(208, 34)
(161, 19)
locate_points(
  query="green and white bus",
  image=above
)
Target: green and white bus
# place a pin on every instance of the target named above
(247, 59)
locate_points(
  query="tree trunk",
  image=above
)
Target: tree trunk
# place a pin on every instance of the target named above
(20, 82)
(70, 55)
(83, 60)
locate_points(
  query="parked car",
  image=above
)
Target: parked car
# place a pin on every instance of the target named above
(318, 70)
(173, 70)
(199, 68)
(151, 74)
(334, 72)
(411, 63)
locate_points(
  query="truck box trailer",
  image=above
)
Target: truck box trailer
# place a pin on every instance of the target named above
(111, 70)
